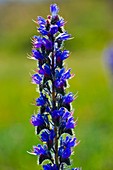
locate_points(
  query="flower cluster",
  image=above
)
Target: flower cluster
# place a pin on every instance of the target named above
(54, 122)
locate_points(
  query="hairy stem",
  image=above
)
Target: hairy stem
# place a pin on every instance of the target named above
(54, 105)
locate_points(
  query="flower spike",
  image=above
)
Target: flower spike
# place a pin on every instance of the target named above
(54, 119)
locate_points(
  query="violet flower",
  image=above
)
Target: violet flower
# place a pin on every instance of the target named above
(54, 119)
(109, 58)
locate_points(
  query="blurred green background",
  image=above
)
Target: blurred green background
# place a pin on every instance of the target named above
(91, 24)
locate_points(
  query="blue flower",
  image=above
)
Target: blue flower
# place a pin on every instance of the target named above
(47, 43)
(66, 75)
(37, 54)
(65, 146)
(40, 150)
(63, 118)
(41, 20)
(50, 167)
(68, 98)
(109, 58)
(63, 36)
(43, 30)
(56, 113)
(60, 22)
(66, 115)
(42, 100)
(70, 124)
(43, 153)
(47, 135)
(37, 41)
(54, 10)
(53, 29)
(60, 56)
(58, 73)
(64, 152)
(61, 77)
(37, 120)
(67, 121)
(36, 79)
(54, 118)
(46, 71)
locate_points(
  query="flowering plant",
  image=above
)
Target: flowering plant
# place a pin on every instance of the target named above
(54, 122)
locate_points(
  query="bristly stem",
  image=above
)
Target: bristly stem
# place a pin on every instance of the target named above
(54, 105)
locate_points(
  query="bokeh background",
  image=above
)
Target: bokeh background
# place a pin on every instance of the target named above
(91, 24)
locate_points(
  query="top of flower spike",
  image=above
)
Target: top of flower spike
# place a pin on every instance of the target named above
(54, 10)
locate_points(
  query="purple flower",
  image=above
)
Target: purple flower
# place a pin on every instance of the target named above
(60, 22)
(42, 100)
(63, 36)
(54, 10)
(58, 73)
(68, 98)
(47, 43)
(37, 120)
(61, 77)
(43, 153)
(66, 114)
(56, 114)
(60, 56)
(50, 167)
(37, 54)
(63, 118)
(41, 20)
(37, 41)
(43, 30)
(64, 152)
(54, 118)
(47, 135)
(66, 75)
(109, 58)
(36, 79)
(53, 29)
(67, 120)
(40, 150)
(46, 71)
(65, 147)
(70, 124)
